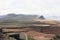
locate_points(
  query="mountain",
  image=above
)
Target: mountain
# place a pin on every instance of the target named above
(1, 17)
(18, 17)
(23, 17)
(41, 17)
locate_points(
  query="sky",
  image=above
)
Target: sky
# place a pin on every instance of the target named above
(38, 7)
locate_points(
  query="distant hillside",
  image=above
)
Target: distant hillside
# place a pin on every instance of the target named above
(18, 17)
(1, 16)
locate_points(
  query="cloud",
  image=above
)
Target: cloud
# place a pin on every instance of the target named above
(40, 7)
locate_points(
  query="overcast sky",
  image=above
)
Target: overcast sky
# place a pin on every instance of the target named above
(40, 7)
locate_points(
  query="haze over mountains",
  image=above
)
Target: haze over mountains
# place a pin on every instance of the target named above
(21, 17)
(17, 17)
